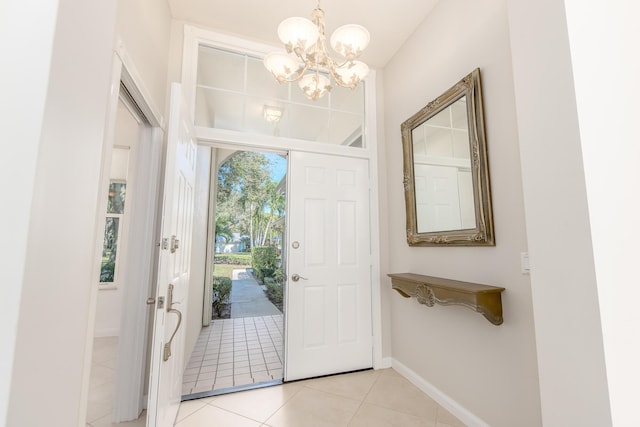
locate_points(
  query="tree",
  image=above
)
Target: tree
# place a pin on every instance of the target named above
(247, 198)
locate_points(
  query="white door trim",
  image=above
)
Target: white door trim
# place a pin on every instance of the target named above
(194, 36)
(131, 370)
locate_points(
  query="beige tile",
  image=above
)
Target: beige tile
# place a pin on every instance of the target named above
(187, 388)
(210, 362)
(209, 416)
(243, 379)
(446, 418)
(97, 410)
(376, 416)
(206, 376)
(390, 372)
(202, 386)
(257, 404)
(355, 385)
(400, 395)
(223, 383)
(314, 408)
(106, 422)
(208, 368)
(190, 406)
(261, 376)
(101, 375)
(105, 349)
(224, 373)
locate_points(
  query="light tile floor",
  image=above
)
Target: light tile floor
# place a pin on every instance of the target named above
(361, 399)
(235, 352)
(102, 385)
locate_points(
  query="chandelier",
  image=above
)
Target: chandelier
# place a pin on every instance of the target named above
(306, 40)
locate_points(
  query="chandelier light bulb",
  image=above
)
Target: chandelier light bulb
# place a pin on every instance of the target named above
(298, 33)
(352, 73)
(281, 66)
(314, 85)
(350, 40)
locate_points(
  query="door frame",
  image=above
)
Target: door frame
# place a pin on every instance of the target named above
(219, 138)
(131, 370)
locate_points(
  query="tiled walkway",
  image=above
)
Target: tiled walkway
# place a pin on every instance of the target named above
(235, 352)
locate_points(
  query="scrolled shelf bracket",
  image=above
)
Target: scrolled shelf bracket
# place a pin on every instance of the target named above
(428, 290)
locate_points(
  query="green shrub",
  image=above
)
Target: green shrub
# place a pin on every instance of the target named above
(221, 290)
(274, 290)
(278, 275)
(107, 272)
(233, 259)
(263, 261)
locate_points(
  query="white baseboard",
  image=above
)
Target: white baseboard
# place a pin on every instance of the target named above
(384, 363)
(462, 413)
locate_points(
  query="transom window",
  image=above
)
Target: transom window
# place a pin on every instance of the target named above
(236, 92)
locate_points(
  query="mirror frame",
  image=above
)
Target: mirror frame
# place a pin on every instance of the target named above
(483, 233)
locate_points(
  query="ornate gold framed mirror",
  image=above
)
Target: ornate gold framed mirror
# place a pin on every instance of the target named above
(446, 174)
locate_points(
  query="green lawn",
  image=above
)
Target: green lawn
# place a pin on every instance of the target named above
(225, 270)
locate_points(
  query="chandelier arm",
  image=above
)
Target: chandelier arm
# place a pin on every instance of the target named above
(297, 76)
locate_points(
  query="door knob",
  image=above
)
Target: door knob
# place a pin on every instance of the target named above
(297, 277)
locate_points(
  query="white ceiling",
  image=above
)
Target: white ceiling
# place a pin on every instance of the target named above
(390, 22)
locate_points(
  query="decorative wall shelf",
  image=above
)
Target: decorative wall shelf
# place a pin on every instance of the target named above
(486, 300)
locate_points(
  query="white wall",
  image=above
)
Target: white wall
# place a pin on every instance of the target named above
(489, 371)
(61, 252)
(573, 383)
(591, 131)
(23, 84)
(609, 140)
(144, 28)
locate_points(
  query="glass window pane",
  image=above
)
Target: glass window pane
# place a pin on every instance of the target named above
(261, 83)
(309, 123)
(351, 100)
(345, 129)
(258, 109)
(115, 202)
(220, 69)
(219, 109)
(109, 250)
(234, 91)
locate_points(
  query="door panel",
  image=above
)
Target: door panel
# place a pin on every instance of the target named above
(167, 359)
(329, 308)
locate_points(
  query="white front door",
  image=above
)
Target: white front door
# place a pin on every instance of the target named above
(437, 198)
(328, 315)
(167, 358)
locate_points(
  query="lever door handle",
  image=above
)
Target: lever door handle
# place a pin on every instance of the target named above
(167, 346)
(297, 277)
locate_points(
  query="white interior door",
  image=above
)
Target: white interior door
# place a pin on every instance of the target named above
(328, 322)
(167, 359)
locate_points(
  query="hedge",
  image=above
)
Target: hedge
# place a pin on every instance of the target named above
(221, 290)
(263, 261)
(233, 259)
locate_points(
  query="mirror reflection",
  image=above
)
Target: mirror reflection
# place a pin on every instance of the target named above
(442, 171)
(446, 175)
